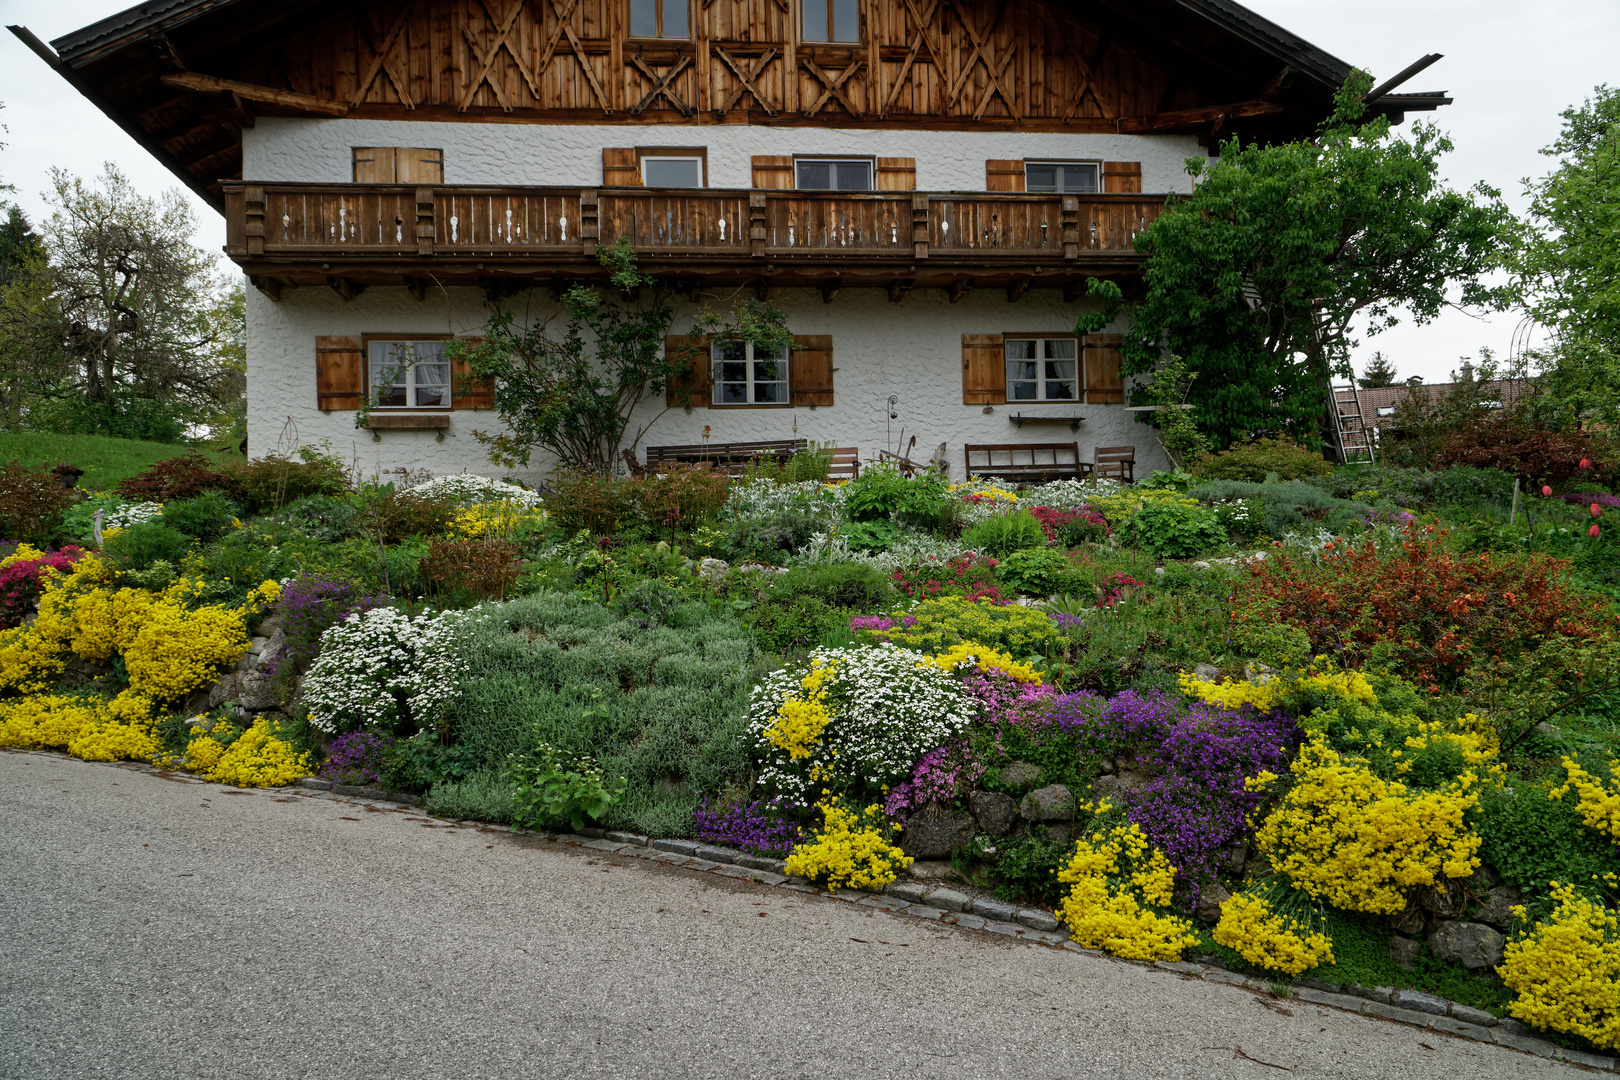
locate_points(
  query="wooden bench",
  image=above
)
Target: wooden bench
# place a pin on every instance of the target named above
(846, 463)
(1116, 461)
(1024, 463)
(732, 458)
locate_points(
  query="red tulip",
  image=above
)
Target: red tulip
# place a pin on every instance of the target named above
(1585, 464)
(1546, 491)
(1597, 511)
(1593, 531)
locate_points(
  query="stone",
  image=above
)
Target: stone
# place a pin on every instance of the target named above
(1444, 901)
(1458, 1027)
(1054, 802)
(1539, 1047)
(713, 569)
(1105, 767)
(316, 783)
(1116, 787)
(1417, 1001)
(678, 847)
(948, 899)
(222, 691)
(1400, 1016)
(627, 838)
(1404, 951)
(1036, 919)
(935, 831)
(1496, 908)
(909, 891)
(591, 832)
(1180, 967)
(717, 854)
(1020, 774)
(1060, 832)
(934, 870)
(1471, 944)
(994, 811)
(1210, 900)
(1550, 732)
(1410, 921)
(968, 920)
(1371, 993)
(1207, 672)
(1469, 1014)
(1484, 879)
(1323, 997)
(1236, 857)
(757, 862)
(993, 909)
(1321, 985)
(1581, 1057)
(257, 692)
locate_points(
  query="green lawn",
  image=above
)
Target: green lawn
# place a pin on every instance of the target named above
(105, 461)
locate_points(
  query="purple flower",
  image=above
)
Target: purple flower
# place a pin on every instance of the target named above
(761, 826)
(357, 758)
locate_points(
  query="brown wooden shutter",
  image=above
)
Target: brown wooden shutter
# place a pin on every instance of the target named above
(417, 166)
(896, 174)
(1122, 177)
(466, 390)
(620, 167)
(984, 370)
(1003, 175)
(696, 387)
(773, 171)
(338, 367)
(374, 164)
(1104, 385)
(810, 370)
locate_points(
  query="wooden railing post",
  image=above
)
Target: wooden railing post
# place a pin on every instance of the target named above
(253, 212)
(919, 226)
(426, 233)
(757, 231)
(1071, 227)
(589, 228)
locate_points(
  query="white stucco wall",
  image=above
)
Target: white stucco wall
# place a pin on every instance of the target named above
(912, 349)
(319, 151)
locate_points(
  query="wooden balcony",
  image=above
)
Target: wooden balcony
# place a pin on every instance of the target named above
(350, 236)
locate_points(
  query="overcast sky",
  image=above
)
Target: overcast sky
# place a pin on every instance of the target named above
(1512, 67)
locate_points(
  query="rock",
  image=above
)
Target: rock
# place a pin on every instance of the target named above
(935, 831)
(994, 811)
(1210, 900)
(1445, 901)
(1060, 833)
(713, 568)
(1105, 767)
(257, 692)
(1420, 1002)
(222, 691)
(1020, 774)
(1410, 921)
(1404, 951)
(1036, 919)
(949, 899)
(268, 626)
(1116, 787)
(1237, 857)
(1496, 909)
(934, 870)
(1471, 944)
(274, 646)
(1548, 731)
(1484, 879)
(1054, 802)
(197, 702)
(1207, 672)
(256, 646)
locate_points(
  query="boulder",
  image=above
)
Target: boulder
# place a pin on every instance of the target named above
(1020, 774)
(1054, 802)
(1444, 901)
(1210, 899)
(1237, 857)
(994, 811)
(713, 569)
(931, 870)
(1404, 951)
(1496, 907)
(935, 831)
(257, 692)
(1410, 921)
(222, 691)
(1060, 832)
(1207, 672)
(1115, 788)
(1471, 944)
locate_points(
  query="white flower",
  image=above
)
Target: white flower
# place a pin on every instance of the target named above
(373, 662)
(122, 517)
(469, 488)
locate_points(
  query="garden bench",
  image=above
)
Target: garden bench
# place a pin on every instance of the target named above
(733, 458)
(1116, 461)
(846, 463)
(1024, 463)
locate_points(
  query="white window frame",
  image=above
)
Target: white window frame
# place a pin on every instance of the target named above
(752, 382)
(871, 172)
(419, 379)
(1094, 166)
(702, 178)
(1042, 379)
(1384, 411)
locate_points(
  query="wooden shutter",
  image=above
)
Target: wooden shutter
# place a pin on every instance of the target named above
(1122, 177)
(620, 167)
(1004, 176)
(1104, 385)
(338, 368)
(810, 370)
(773, 171)
(416, 166)
(466, 390)
(374, 164)
(984, 370)
(695, 387)
(896, 174)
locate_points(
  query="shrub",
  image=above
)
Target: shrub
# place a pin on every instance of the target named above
(550, 788)
(385, 671)
(1282, 506)
(203, 517)
(21, 580)
(1177, 531)
(1071, 528)
(473, 570)
(852, 849)
(359, 757)
(847, 585)
(1532, 839)
(139, 546)
(388, 516)
(485, 795)
(178, 478)
(772, 539)
(273, 481)
(31, 503)
(797, 622)
(969, 575)
(1256, 460)
(1002, 534)
(1535, 454)
(1565, 969)
(1033, 571)
(325, 517)
(678, 499)
(952, 620)
(1469, 486)
(1119, 890)
(588, 500)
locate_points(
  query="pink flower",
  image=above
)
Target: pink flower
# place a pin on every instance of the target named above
(1585, 464)
(1593, 531)
(1597, 511)
(1546, 491)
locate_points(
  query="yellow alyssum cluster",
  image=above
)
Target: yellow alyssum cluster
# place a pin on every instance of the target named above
(979, 487)
(1229, 694)
(502, 519)
(256, 759)
(799, 722)
(1474, 739)
(1599, 804)
(851, 851)
(1117, 884)
(1275, 940)
(1358, 842)
(89, 728)
(1565, 971)
(972, 654)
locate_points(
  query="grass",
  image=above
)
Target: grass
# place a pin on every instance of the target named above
(105, 460)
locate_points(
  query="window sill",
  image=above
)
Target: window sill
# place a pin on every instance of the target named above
(403, 421)
(753, 405)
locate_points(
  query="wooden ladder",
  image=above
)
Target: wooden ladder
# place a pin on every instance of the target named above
(1350, 435)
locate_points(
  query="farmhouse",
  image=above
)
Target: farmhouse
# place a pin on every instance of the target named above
(923, 186)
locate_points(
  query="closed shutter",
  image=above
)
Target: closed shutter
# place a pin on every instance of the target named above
(1104, 385)
(773, 172)
(896, 174)
(1122, 177)
(810, 370)
(619, 167)
(695, 387)
(467, 391)
(338, 382)
(984, 370)
(1004, 176)
(415, 166)
(374, 164)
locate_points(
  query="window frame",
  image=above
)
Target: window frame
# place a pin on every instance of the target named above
(1096, 166)
(716, 382)
(370, 388)
(1079, 380)
(832, 26)
(869, 162)
(685, 153)
(629, 8)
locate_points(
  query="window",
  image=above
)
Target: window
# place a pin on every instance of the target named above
(1385, 410)
(672, 172)
(743, 376)
(1061, 177)
(658, 19)
(409, 374)
(397, 165)
(832, 20)
(814, 174)
(1043, 369)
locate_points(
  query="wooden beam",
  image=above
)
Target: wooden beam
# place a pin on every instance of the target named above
(209, 84)
(1016, 290)
(417, 287)
(1188, 118)
(899, 287)
(270, 286)
(829, 289)
(344, 287)
(959, 288)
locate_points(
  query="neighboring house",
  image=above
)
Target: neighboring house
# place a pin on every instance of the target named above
(924, 186)
(1379, 406)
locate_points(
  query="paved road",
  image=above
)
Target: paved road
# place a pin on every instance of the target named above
(158, 928)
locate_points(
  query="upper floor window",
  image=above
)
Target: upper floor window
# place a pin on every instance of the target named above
(410, 374)
(397, 165)
(659, 19)
(671, 171)
(829, 175)
(832, 20)
(1385, 410)
(746, 375)
(1043, 369)
(1065, 178)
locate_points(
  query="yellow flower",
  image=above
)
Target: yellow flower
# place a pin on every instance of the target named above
(1278, 941)
(1565, 970)
(1118, 886)
(852, 850)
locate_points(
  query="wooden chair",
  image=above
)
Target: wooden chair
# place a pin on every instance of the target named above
(1116, 461)
(846, 463)
(1024, 463)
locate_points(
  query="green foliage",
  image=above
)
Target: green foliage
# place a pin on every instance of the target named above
(324, 517)
(1026, 867)
(796, 622)
(271, 482)
(880, 493)
(1033, 571)
(1378, 374)
(1003, 534)
(1282, 507)
(947, 620)
(859, 586)
(1407, 488)
(105, 460)
(1462, 484)
(485, 795)
(1175, 530)
(1254, 461)
(31, 503)
(203, 517)
(139, 546)
(1361, 958)
(1532, 840)
(804, 465)
(420, 762)
(550, 788)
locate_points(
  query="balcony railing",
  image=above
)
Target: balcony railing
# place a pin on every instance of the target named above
(275, 223)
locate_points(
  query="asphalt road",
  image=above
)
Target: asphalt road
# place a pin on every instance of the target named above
(154, 928)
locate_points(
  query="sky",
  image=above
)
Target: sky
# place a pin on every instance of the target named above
(1512, 68)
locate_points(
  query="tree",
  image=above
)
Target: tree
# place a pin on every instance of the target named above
(1378, 374)
(1255, 279)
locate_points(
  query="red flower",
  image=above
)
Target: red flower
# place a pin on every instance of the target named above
(1546, 491)
(1585, 464)
(1593, 531)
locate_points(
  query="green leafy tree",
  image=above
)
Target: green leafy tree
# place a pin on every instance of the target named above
(1256, 278)
(1378, 374)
